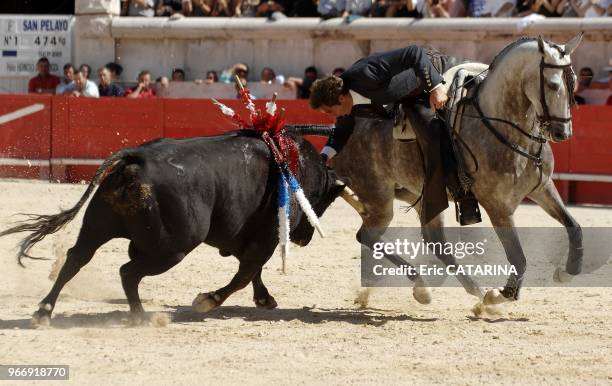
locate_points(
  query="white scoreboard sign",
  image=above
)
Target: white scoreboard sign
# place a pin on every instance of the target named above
(24, 39)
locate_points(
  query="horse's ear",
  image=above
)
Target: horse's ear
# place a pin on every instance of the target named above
(541, 44)
(573, 43)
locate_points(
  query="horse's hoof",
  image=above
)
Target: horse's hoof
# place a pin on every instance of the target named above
(268, 303)
(421, 294)
(561, 276)
(41, 318)
(205, 302)
(494, 296)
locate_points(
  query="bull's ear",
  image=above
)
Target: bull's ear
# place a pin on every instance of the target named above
(573, 43)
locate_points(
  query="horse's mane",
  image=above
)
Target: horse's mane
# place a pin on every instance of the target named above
(508, 48)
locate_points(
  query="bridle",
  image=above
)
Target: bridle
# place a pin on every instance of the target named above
(568, 76)
(544, 120)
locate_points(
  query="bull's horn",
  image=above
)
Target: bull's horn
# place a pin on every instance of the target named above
(349, 196)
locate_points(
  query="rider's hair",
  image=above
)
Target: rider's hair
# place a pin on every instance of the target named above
(326, 92)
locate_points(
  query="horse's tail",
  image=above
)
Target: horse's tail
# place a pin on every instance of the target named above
(43, 225)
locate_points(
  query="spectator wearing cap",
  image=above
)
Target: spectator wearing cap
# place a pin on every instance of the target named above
(106, 87)
(143, 90)
(82, 87)
(338, 71)
(44, 82)
(68, 79)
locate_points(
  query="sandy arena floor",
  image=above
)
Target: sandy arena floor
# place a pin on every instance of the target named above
(317, 335)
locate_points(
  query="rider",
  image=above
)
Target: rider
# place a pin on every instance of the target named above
(371, 87)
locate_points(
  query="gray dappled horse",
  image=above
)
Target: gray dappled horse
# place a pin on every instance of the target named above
(523, 102)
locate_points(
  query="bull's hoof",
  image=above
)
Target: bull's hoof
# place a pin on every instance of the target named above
(561, 276)
(136, 319)
(268, 303)
(421, 294)
(41, 318)
(205, 302)
(494, 296)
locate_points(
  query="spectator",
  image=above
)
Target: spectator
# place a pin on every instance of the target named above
(548, 8)
(211, 8)
(82, 86)
(115, 70)
(108, 88)
(212, 77)
(591, 8)
(246, 8)
(398, 8)
(174, 8)
(357, 8)
(303, 85)
(143, 90)
(144, 8)
(504, 8)
(584, 81)
(178, 75)
(267, 75)
(476, 8)
(86, 70)
(305, 8)
(329, 9)
(68, 79)
(338, 71)
(274, 8)
(437, 8)
(241, 70)
(44, 82)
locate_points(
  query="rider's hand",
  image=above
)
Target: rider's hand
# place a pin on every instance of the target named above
(437, 98)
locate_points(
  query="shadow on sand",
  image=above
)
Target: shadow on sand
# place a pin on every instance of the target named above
(185, 315)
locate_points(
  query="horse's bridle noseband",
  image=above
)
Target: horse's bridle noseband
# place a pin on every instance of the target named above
(568, 76)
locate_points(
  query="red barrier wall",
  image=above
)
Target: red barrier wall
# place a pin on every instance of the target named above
(27, 138)
(80, 128)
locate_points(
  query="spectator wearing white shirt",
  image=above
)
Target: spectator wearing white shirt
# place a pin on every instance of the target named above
(81, 86)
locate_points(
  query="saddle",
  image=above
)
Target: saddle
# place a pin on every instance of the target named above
(461, 81)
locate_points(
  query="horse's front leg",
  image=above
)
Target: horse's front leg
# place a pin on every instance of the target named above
(548, 198)
(504, 228)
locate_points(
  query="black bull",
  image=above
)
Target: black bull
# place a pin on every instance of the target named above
(169, 196)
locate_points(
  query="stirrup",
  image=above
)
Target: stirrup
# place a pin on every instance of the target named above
(467, 211)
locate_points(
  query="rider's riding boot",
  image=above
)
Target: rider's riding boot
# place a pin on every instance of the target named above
(468, 212)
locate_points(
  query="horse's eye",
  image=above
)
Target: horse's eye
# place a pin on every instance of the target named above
(554, 85)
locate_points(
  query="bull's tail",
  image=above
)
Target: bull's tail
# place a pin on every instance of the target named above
(42, 225)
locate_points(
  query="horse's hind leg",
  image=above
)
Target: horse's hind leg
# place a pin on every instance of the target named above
(78, 256)
(434, 232)
(261, 296)
(375, 222)
(548, 198)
